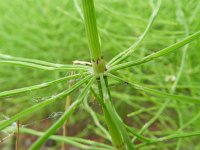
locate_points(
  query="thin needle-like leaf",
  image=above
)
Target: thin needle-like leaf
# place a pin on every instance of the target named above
(78, 8)
(153, 119)
(170, 137)
(63, 118)
(181, 18)
(36, 66)
(138, 135)
(124, 54)
(42, 104)
(157, 54)
(36, 87)
(96, 120)
(180, 98)
(74, 141)
(4, 57)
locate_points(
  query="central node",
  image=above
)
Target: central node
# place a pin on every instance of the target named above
(99, 65)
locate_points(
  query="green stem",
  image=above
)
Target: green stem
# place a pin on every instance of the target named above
(98, 62)
(119, 134)
(117, 140)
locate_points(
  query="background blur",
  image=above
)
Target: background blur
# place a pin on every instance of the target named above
(53, 31)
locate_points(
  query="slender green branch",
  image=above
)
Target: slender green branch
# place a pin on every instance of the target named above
(36, 87)
(192, 120)
(157, 54)
(153, 119)
(34, 61)
(78, 8)
(48, 68)
(183, 22)
(141, 111)
(13, 59)
(96, 120)
(74, 141)
(138, 135)
(180, 98)
(42, 104)
(126, 53)
(63, 118)
(169, 137)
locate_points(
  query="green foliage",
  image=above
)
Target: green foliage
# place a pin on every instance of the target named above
(96, 79)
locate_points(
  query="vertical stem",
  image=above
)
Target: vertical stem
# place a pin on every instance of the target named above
(92, 35)
(17, 137)
(118, 134)
(117, 140)
(67, 105)
(68, 101)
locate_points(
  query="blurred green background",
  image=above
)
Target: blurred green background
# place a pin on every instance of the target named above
(53, 31)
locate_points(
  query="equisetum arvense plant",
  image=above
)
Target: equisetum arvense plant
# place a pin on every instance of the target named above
(94, 80)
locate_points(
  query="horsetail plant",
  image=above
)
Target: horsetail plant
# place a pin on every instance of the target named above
(94, 80)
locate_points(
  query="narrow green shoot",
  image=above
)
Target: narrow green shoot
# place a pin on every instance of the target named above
(35, 61)
(180, 98)
(153, 119)
(42, 104)
(168, 138)
(74, 141)
(48, 68)
(96, 120)
(37, 87)
(157, 54)
(124, 54)
(63, 118)
(135, 134)
(183, 22)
